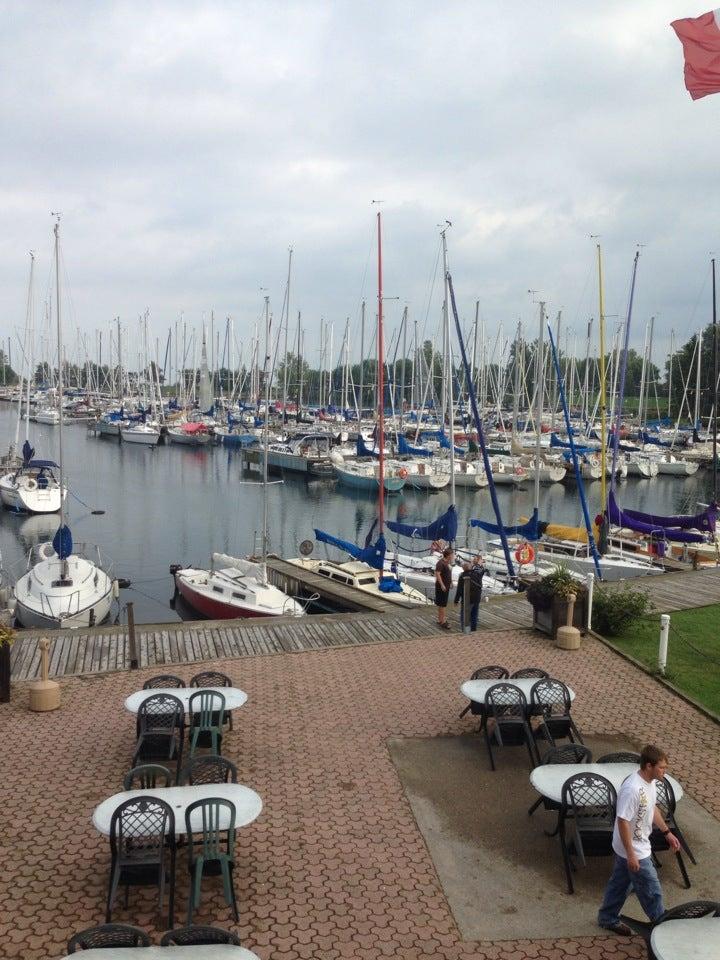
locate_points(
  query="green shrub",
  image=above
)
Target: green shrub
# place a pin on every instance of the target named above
(613, 610)
(559, 583)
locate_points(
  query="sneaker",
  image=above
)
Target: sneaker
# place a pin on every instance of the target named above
(445, 626)
(622, 929)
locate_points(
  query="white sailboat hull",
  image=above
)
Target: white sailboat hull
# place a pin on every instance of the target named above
(44, 600)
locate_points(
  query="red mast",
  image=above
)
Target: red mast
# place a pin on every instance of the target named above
(381, 383)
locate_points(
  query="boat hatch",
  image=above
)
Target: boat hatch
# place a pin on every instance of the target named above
(239, 596)
(218, 590)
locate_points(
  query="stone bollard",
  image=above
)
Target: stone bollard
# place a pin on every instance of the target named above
(44, 693)
(568, 637)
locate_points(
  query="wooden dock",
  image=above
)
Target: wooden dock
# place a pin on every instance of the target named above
(103, 649)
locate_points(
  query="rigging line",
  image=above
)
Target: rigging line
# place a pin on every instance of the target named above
(147, 596)
(692, 646)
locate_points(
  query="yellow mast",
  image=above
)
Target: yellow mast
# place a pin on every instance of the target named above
(603, 402)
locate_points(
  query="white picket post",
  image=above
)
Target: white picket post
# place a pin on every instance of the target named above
(663, 648)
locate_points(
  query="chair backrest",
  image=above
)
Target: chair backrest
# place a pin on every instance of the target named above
(161, 713)
(552, 695)
(693, 910)
(592, 800)
(665, 797)
(211, 678)
(146, 777)
(195, 936)
(209, 769)
(506, 703)
(108, 935)
(490, 673)
(211, 833)
(205, 705)
(529, 673)
(568, 753)
(621, 756)
(145, 822)
(164, 680)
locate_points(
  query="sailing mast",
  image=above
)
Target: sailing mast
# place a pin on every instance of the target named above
(266, 420)
(61, 543)
(381, 383)
(448, 367)
(603, 397)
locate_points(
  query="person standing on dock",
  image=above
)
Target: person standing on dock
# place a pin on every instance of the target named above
(473, 573)
(443, 585)
(634, 869)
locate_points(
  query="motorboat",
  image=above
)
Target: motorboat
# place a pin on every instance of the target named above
(360, 576)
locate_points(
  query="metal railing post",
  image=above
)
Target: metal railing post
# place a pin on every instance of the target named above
(663, 648)
(466, 605)
(590, 583)
(131, 636)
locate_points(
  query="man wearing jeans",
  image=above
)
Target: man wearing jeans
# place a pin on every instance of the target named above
(634, 869)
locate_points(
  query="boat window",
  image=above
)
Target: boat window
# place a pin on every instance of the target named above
(363, 580)
(217, 590)
(238, 596)
(340, 578)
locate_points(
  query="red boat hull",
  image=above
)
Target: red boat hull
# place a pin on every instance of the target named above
(213, 609)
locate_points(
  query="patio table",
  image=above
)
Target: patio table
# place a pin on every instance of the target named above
(549, 778)
(247, 804)
(214, 951)
(687, 939)
(476, 689)
(234, 697)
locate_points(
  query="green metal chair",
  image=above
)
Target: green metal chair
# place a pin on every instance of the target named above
(207, 715)
(147, 776)
(213, 852)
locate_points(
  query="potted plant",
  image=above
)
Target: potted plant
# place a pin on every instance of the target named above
(552, 596)
(7, 636)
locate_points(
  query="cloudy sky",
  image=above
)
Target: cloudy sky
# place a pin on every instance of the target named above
(190, 144)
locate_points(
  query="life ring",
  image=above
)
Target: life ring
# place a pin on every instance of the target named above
(519, 471)
(30, 484)
(402, 473)
(524, 553)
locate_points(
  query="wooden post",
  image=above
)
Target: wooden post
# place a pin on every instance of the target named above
(131, 637)
(6, 638)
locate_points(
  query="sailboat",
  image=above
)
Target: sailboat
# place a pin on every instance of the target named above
(61, 588)
(234, 587)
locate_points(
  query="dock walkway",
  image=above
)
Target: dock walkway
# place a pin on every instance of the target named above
(107, 648)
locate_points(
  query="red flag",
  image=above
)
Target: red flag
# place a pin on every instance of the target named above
(701, 45)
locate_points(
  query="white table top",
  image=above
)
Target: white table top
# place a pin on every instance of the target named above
(549, 778)
(234, 697)
(687, 939)
(247, 804)
(476, 689)
(215, 951)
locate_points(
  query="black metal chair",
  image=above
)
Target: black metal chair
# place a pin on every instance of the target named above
(568, 753)
(550, 702)
(621, 756)
(108, 935)
(666, 803)
(209, 769)
(215, 853)
(529, 673)
(164, 681)
(693, 910)
(196, 936)
(484, 673)
(213, 678)
(587, 804)
(142, 836)
(161, 719)
(146, 777)
(506, 705)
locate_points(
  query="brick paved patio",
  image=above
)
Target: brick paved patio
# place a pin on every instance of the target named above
(335, 866)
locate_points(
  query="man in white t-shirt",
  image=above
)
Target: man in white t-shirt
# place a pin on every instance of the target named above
(634, 868)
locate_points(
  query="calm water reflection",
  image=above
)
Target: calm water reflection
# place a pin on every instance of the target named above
(173, 504)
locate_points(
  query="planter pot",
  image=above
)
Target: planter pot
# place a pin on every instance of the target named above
(5, 673)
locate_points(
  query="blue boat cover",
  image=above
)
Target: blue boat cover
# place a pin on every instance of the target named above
(28, 452)
(62, 542)
(675, 529)
(445, 444)
(389, 585)
(43, 464)
(444, 528)
(405, 449)
(555, 441)
(530, 530)
(374, 555)
(646, 438)
(363, 451)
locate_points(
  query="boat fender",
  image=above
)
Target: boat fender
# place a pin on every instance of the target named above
(123, 583)
(519, 471)
(402, 473)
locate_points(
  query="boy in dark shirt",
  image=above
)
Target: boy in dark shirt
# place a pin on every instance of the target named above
(473, 573)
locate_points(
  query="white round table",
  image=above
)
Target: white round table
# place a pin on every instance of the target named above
(477, 689)
(234, 697)
(687, 939)
(548, 779)
(215, 951)
(247, 803)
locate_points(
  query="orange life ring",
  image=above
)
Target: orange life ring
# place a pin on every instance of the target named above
(524, 553)
(402, 473)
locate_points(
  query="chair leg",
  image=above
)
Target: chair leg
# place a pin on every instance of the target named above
(576, 731)
(489, 747)
(534, 807)
(461, 715)
(566, 860)
(683, 870)
(234, 898)
(112, 891)
(683, 843)
(171, 904)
